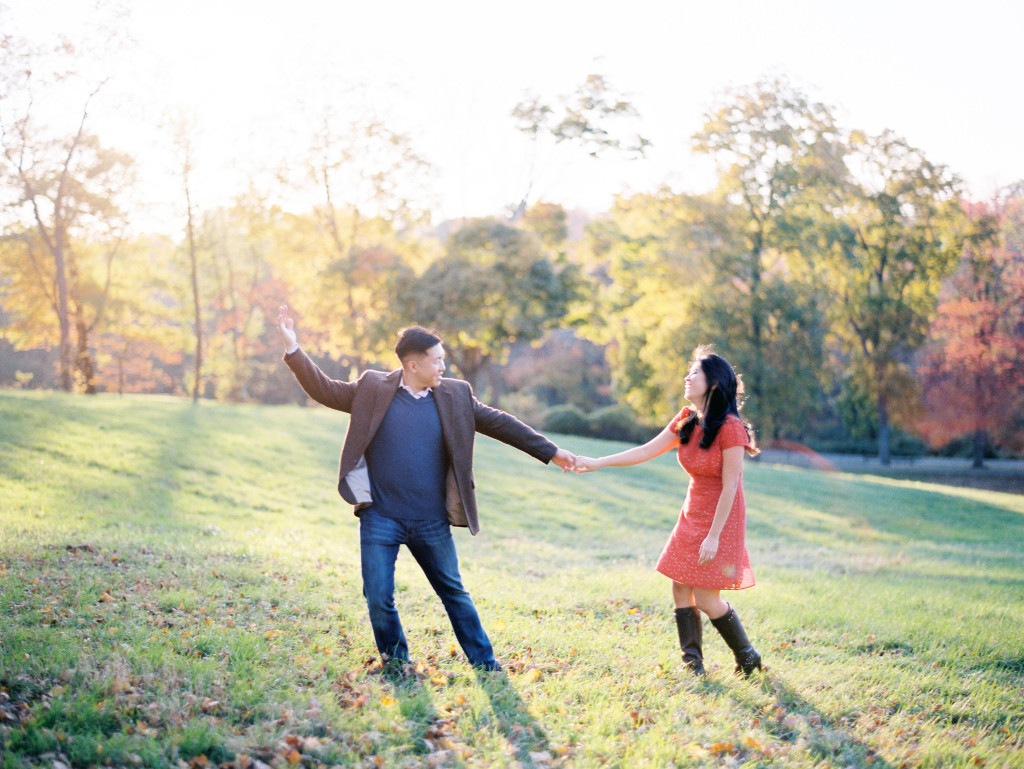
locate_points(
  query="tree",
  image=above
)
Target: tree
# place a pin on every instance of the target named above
(63, 186)
(582, 119)
(889, 241)
(241, 345)
(667, 266)
(139, 346)
(777, 150)
(496, 284)
(972, 371)
(360, 240)
(183, 131)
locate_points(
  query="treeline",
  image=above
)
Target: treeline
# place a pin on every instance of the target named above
(863, 299)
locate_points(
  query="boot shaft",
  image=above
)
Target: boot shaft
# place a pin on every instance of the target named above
(691, 638)
(732, 632)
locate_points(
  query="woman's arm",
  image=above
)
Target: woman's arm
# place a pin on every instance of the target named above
(658, 445)
(732, 464)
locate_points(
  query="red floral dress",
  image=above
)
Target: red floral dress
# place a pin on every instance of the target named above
(730, 568)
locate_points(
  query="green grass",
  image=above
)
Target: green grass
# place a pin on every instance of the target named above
(179, 586)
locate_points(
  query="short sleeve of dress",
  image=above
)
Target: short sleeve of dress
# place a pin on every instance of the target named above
(683, 414)
(732, 433)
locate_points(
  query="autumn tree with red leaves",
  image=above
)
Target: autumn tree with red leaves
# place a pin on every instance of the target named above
(972, 372)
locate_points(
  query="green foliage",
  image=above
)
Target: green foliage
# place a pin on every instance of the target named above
(495, 285)
(618, 423)
(568, 419)
(892, 237)
(234, 622)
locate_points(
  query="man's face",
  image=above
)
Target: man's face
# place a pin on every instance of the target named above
(426, 369)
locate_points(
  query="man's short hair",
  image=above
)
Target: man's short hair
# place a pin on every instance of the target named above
(415, 339)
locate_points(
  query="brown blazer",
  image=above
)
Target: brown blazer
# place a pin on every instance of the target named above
(462, 416)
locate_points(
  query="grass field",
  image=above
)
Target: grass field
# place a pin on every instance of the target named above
(179, 587)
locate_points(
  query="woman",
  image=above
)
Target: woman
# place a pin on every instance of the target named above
(706, 552)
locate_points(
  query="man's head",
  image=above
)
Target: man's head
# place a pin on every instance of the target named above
(422, 356)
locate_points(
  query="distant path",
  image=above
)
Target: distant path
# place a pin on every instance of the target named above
(997, 475)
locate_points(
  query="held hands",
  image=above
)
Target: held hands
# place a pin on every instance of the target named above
(708, 549)
(565, 460)
(286, 327)
(587, 464)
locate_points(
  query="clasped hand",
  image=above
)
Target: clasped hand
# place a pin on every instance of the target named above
(565, 460)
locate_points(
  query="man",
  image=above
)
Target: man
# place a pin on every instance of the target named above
(407, 466)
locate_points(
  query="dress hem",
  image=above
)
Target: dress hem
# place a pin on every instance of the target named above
(732, 586)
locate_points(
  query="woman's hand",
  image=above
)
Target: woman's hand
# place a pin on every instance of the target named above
(588, 464)
(708, 549)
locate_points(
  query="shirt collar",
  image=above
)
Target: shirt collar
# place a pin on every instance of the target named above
(420, 394)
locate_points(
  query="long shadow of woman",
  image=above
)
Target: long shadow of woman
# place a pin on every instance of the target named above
(793, 717)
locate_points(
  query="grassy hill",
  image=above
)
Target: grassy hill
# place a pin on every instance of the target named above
(179, 586)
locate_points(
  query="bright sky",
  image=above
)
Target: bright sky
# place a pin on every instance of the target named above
(944, 75)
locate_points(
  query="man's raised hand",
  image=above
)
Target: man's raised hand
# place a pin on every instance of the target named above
(286, 327)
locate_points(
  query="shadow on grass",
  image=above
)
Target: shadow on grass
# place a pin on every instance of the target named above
(513, 717)
(825, 738)
(436, 734)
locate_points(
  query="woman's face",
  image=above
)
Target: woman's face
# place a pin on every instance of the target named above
(696, 386)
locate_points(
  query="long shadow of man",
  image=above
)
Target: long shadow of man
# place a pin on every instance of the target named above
(513, 717)
(432, 731)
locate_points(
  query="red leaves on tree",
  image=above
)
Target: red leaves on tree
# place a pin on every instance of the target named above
(972, 373)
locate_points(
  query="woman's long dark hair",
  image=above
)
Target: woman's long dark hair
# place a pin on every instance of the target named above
(724, 397)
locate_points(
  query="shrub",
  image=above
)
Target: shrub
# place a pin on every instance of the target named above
(568, 420)
(618, 423)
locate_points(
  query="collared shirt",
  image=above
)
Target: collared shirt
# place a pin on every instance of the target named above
(421, 394)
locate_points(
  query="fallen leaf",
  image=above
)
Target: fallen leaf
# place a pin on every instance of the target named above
(721, 748)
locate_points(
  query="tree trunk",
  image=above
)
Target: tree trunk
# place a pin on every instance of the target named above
(980, 441)
(497, 384)
(757, 328)
(63, 316)
(470, 363)
(884, 451)
(83, 361)
(195, 295)
(83, 358)
(60, 277)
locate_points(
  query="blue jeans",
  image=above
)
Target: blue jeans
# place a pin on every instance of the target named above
(431, 544)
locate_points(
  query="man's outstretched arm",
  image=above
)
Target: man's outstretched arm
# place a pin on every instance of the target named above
(506, 428)
(332, 393)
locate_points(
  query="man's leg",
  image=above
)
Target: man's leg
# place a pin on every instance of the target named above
(434, 549)
(379, 539)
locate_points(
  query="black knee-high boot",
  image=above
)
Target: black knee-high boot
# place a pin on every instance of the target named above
(747, 658)
(688, 623)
